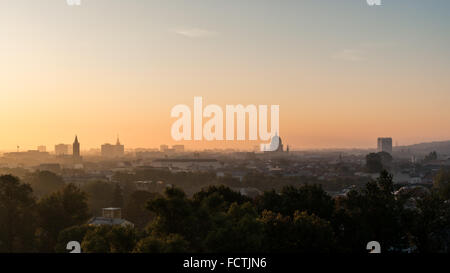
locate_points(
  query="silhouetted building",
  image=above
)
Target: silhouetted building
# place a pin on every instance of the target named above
(111, 217)
(112, 213)
(42, 148)
(163, 148)
(109, 150)
(28, 155)
(384, 145)
(190, 164)
(276, 145)
(62, 149)
(76, 148)
(178, 148)
(51, 167)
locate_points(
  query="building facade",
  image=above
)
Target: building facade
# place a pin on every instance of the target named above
(76, 150)
(62, 149)
(384, 144)
(109, 150)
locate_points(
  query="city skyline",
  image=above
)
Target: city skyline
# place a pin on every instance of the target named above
(343, 73)
(236, 134)
(106, 148)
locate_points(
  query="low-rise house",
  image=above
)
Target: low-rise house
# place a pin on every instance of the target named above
(111, 217)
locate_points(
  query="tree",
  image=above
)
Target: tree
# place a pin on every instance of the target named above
(431, 222)
(128, 188)
(431, 156)
(109, 239)
(171, 243)
(74, 233)
(376, 162)
(300, 232)
(237, 231)
(122, 239)
(44, 183)
(96, 240)
(442, 184)
(58, 211)
(276, 229)
(99, 195)
(117, 200)
(16, 215)
(219, 197)
(385, 183)
(135, 209)
(270, 201)
(309, 198)
(176, 214)
(370, 214)
(311, 234)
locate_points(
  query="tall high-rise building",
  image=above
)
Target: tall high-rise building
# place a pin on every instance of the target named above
(76, 148)
(42, 148)
(384, 145)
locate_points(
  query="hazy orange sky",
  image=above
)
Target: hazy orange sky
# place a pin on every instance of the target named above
(343, 73)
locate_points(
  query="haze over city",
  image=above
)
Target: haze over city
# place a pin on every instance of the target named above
(356, 73)
(239, 135)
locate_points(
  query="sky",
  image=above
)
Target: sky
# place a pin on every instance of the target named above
(342, 72)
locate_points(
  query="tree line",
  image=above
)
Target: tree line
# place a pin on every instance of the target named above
(217, 219)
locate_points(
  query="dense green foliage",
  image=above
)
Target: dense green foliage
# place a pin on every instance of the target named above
(44, 182)
(217, 219)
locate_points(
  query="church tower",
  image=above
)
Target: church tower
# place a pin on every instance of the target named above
(119, 149)
(76, 148)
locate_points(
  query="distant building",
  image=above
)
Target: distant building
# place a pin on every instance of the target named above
(109, 150)
(111, 217)
(187, 164)
(62, 149)
(250, 192)
(150, 186)
(51, 167)
(384, 145)
(76, 148)
(276, 146)
(76, 154)
(112, 213)
(28, 155)
(42, 148)
(178, 148)
(163, 148)
(148, 154)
